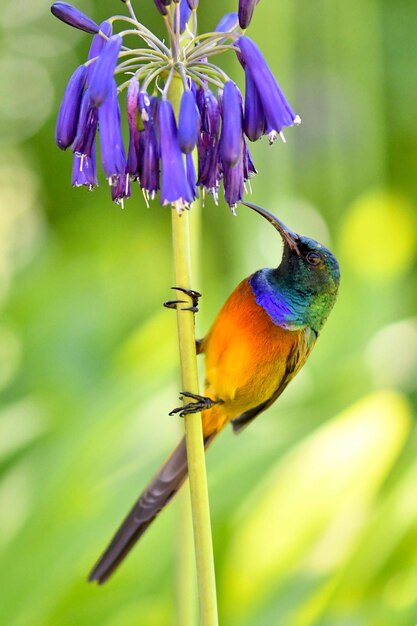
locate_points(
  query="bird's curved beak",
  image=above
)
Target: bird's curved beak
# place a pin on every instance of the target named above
(288, 236)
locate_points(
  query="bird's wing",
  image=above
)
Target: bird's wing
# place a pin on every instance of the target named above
(295, 361)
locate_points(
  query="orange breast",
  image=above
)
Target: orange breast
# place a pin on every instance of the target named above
(245, 354)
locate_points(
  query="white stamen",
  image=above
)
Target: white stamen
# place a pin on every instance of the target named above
(297, 120)
(281, 134)
(146, 197)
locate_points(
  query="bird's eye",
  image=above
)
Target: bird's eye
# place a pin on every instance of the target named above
(313, 258)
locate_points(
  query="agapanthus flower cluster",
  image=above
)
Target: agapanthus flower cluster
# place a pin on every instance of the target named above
(200, 148)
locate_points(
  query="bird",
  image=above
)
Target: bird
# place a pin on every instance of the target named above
(259, 341)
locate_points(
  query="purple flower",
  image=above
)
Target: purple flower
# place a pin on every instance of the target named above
(246, 9)
(175, 189)
(72, 16)
(132, 167)
(113, 156)
(276, 109)
(120, 189)
(234, 182)
(84, 170)
(97, 46)
(234, 178)
(102, 76)
(161, 6)
(188, 122)
(86, 128)
(148, 147)
(254, 118)
(249, 169)
(232, 119)
(209, 170)
(185, 12)
(227, 22)
(66, 126)
(193, 4)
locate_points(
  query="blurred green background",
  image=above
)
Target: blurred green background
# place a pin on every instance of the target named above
(314, 507)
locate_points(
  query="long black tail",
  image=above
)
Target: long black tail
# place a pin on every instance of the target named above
(155, 497)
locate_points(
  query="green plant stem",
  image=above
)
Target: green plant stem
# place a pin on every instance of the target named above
(193, 426)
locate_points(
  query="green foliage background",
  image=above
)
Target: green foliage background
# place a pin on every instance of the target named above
(314, 507)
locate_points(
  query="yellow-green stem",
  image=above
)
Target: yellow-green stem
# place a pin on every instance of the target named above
(193, 426)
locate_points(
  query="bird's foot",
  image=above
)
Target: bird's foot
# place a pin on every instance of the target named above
(201, 403)
(194, 295)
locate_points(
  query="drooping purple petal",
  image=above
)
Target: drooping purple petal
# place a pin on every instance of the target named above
(245, 13)
(232, 121)
(226, 23)
(175, 189)
(188, 122)
(84, 170)
(132, 167)
(185, 13)
(191, 176)
(72, 16)
(254, 118)
(249, 169)
(278, 112)
(149, 170)
(209, 167)
(97, 46)
(102, 75)
(86, 128)
(66, 126)
(120, 189)
(113, 155)
(233, 181)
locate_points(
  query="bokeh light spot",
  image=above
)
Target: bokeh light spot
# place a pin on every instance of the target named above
(379, 235)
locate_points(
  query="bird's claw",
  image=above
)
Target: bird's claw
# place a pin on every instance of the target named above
(201, 403)
(194, 295)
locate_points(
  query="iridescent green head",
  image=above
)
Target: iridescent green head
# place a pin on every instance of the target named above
(302, 290)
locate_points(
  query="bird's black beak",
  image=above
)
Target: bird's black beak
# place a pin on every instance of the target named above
(288, 236)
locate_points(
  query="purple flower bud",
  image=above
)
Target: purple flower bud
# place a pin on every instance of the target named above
(97, 46)
(188, 122)
(277, 111)
(86, 128)
(113, 156)
(231, 135)
(175, 189)
(191, 177)
(227, 22)
(193, 4)
(72, 16)
(254, 118)
(132, 118)
(161, 6)
(246, 9)
(66, 126)
(185, 13)
(102, 76)
(84, 171)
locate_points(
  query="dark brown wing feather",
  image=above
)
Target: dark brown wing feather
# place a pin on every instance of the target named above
(156, 496)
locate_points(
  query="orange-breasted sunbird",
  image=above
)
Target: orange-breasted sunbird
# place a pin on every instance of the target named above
(258, 342)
